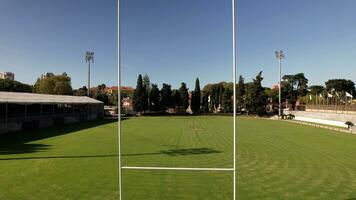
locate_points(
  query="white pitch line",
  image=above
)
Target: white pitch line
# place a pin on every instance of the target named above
(177, 168)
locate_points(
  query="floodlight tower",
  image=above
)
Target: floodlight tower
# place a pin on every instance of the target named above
(280, 57)
(89, 58)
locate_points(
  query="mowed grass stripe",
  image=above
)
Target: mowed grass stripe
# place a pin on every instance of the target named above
(179, 142)
(315, 162)
(71, 162)
(276, 160)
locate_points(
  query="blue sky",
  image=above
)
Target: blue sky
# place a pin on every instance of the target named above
(179, 40)
(176, 40)
(41, 36)
(317, 36)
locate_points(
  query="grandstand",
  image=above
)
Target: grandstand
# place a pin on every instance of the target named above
(22, 111)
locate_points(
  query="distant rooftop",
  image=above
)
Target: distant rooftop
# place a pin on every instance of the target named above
(32, 98)
(122, 88)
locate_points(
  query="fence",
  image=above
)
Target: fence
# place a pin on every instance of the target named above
(333, 108)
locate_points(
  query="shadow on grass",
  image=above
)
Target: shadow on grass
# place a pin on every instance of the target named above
(171, 152)
(179, 152)
(22, 148)
(58, 157)
(16, 143)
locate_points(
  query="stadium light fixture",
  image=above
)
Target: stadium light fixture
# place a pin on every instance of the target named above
(280, 57)
(89, 58)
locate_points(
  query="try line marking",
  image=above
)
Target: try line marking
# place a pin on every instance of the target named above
(177, 168)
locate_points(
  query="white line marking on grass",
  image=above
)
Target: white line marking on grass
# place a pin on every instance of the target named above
(178, 168)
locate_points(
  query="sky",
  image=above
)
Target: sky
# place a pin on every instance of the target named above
(178, 40)
(40, 36)
(317, 36)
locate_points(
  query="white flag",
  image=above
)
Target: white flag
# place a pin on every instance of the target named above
(330, 95)
(310, 97)
(348, 95)
(321, 96)
(209, 98)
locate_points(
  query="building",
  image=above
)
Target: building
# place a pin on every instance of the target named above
(275, 87)
(111, 90)
(127, 104)
(23, 111)
(7, 75)
(111, 111)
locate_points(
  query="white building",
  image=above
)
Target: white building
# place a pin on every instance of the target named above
(7, 75)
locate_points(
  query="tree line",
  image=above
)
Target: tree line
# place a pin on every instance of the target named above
(251, 97)
(48, 83)
(14, 86)
(148, 97)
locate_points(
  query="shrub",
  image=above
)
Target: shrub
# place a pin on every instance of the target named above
(349, 124)
(291, 116)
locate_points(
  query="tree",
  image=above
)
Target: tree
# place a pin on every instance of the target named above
(184, 97)
(316, 89)
(256, 99)
(101, 97)
(166, 93)
(196, 97)
(216, 94)
(294, 86)
(217, 99)
(240, 93)
(205, 103)
(273, 97)
(154, 98)
(113, 99)
(140, 97)
(101, 87)
(175, 99)
(63, 87)
(147, 83)
(99, 93)
(83, 91)
(227, 101)
(14, 86)
(340, 85)
(349, 124)
(54, 84)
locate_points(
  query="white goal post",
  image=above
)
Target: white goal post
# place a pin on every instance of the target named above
(234, 68)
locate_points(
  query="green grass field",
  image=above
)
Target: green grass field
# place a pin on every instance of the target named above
(276, 160)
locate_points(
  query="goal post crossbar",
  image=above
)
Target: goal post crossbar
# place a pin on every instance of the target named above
(176, 168)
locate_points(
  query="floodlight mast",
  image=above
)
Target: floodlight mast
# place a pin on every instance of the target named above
(89, 58)
(280, 57)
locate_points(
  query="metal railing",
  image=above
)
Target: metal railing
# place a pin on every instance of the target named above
(332, 107)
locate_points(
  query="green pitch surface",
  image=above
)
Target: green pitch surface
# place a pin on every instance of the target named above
(276, 160)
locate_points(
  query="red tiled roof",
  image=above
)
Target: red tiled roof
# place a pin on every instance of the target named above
(126, 88)
(115, 88)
